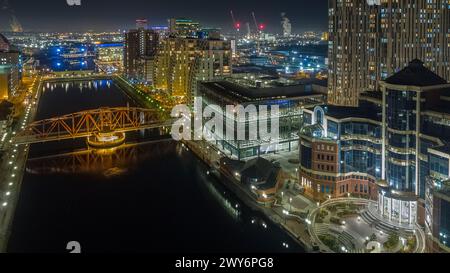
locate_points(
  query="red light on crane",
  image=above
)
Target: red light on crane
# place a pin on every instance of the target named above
(262, 27)
(238, 25)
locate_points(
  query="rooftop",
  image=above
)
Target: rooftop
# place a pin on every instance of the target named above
(4, 43)
(262, 171)
(372, 94)
(365, 110)
(257, 167)
(415, 74)
(259, 172)
(314, 130)
(245, 94)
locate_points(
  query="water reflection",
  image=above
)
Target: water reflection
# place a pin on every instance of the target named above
(94, 85)
(109, 162)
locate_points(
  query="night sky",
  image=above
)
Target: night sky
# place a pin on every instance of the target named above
(98, 15)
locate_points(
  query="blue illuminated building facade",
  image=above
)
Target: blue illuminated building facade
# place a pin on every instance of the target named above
(437, 200)
(341, 150)
(386, 149)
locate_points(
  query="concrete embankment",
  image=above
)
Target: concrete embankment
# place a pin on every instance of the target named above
(130, 92)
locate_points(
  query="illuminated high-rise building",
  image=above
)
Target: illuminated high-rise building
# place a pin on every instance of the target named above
(413, 29)
(9, 69)
(4, 82)
(182, 27)
(348, 57)
(139, 51)
(372, 39)
(182, 62)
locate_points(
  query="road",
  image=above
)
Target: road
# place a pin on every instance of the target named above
(12, 165)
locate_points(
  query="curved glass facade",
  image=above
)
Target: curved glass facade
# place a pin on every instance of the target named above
(400, 108)
(401, 139)
(362, 162)
(360, 128)
(397, 210)
(401, 178)
(361, 148)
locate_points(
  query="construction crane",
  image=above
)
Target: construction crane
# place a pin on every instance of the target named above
(254, 20)
(259, 30)
(236, 24)
(259, 27)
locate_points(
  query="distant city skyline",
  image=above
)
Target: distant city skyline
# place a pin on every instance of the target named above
(56, 15)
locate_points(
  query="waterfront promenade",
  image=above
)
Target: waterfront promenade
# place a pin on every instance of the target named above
(13, 162)
(293, 224)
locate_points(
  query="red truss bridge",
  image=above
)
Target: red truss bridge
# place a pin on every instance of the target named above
(87, 123)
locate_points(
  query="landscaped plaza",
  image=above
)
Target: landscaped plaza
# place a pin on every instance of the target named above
(349, 225)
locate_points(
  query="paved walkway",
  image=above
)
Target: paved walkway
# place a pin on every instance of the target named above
(12, 168)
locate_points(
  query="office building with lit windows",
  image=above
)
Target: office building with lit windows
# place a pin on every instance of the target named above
(370, 40)
(140, 49)
(437, 201)
(110, 56)
(182, 62)
(10, 69)
(290, 99)
(385, 149)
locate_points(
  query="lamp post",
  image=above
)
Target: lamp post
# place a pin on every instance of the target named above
(286, 213)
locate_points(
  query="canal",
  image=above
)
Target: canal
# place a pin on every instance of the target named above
(149, 195)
